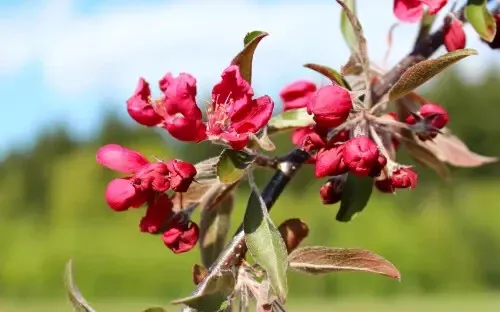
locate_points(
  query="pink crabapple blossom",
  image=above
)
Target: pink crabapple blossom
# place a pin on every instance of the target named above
(411, 11)
(454, 35)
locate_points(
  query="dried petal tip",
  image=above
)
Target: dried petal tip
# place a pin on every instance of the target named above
(140, 107)
(297, 94)
(293, 231)
(330, 106)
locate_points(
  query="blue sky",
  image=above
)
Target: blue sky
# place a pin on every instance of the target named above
(64, 60)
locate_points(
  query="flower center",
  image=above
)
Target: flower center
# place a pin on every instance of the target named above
(218, 115)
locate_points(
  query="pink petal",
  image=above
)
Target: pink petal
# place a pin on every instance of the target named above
(140, 108)
(233, 88)
(120, 194)
(118, 158)
(184, 129)
(409, 11)
(297, 94)
(256, 117)
(180, 95)
(236, 141)
(434, 5)
(158, 213)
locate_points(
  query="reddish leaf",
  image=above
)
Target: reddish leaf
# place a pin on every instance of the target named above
(319, 259)
(199, 273)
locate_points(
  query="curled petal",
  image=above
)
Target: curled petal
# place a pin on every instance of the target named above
(409, 11)
(184, 129)
(181, 237)
(256, 116)
(329, 162)
(361, 155)
(118, 158)
(297, 94)
(233, 88)
(157, 215)
(454, 35)
(139, 106)
(120, 194)
(182, 174)
(180, 95)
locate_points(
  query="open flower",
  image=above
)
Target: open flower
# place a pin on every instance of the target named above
(233, 114)
(140, 106)
(411, 11)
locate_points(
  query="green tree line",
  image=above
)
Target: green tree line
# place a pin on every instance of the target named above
(443, 237)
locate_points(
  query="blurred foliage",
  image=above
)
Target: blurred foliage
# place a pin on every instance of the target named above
(443, 238)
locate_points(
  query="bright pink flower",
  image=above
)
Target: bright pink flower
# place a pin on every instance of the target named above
(120, 195)
(360, 155)
(157, 215)
(184, 129)
(330, 106)
(331, 191)
(234, 115)
(181, 236)
(329, 162)
(120, 159)
(181, 175)
(454, 35)
(140, 107)
(297, 94)
(411, 11)
(404, 178)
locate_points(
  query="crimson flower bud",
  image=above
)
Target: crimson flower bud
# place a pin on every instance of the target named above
(297, 94)
(435, 117)
(181, 175)
(384, 186)
(154, 177)
(495, 44)
(181, 236)
(360, 155)
(330, 106)
(329, 162)
(140, 108)
(331, 191)
(157, 215)
(404, 178)
(454, 35)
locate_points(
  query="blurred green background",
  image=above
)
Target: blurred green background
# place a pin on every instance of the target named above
(444, 238)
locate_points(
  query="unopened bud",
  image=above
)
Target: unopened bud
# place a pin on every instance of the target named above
(293, 232)
(331, 191)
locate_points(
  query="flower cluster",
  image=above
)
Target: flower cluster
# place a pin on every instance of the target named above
(233, 114)
(147, 183)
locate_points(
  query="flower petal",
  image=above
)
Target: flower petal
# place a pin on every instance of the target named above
(140, 108)
(255, 118)
(158, 213)
(120, 194)
(434, 5)
(118, 158)
(180, 95)
(297, 94)
(233, 88)
(236, 141)
(409, 11)
(184, 129)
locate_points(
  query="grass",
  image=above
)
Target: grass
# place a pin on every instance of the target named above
(456, 303)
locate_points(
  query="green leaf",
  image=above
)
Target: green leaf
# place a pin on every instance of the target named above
(214, 227)
(329, 73)
(245, 57)
(155, 309)
(320, 260)
(215, 295)
(355, 195)
(232, 165)
(288, 120)
(481, 19)
(79, 303)
(346, 27)
(265, 244)
(423, 71)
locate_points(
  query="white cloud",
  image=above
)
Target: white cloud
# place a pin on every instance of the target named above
(105, 52)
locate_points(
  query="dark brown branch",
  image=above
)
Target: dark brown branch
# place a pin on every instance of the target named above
(288, 165)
